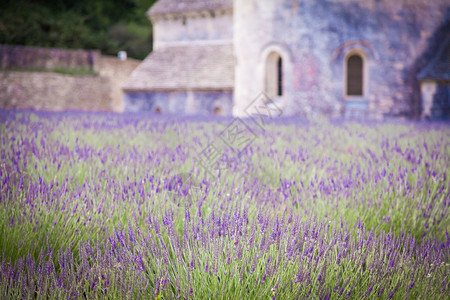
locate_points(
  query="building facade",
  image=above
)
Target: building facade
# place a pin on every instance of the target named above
(342, 58)
(191, 69)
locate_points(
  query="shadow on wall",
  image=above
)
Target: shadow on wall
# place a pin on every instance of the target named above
(441, 103)
(434, 42)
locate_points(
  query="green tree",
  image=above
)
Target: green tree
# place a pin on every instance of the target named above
(108, 25)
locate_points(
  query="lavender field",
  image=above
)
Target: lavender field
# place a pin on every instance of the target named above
(126, 206)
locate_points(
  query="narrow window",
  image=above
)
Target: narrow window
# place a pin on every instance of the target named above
(274, 75)
(280, 76)
(217, 111)
(355, 75)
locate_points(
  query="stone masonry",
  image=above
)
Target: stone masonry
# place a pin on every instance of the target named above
(27, 80)
(395, 38)
(304, 46)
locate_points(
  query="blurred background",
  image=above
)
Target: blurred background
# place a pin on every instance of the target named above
(107, 25)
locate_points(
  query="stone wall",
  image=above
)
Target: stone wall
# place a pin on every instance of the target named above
(54, 91)
(314, 37)
(118, 72)
(193, 102)
(192, 27)
(20, 57)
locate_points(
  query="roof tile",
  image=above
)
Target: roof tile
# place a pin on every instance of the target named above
(202, 67)
(178, 6)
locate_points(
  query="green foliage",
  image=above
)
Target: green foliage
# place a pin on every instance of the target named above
(134, 38)
(77, 71)
(108, 25)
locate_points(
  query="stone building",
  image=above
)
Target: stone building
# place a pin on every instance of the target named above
(191, 68)
(347, 58)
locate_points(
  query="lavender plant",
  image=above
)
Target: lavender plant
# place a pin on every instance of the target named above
(116, 206)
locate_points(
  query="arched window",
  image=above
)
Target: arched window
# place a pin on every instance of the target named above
(355, 75)
(280, 77)
(274, 75)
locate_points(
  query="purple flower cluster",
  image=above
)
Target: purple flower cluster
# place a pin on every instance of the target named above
(99, 205)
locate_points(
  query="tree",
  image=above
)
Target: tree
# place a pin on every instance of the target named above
(108, 25)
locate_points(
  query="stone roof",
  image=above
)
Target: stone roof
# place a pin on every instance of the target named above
(199, 67)
(179, 6)
(439, 66)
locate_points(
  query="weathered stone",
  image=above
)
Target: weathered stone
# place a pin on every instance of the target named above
(41, 89)
(54, 92)
(18, 57)
(397, 38)
(191, 70)
(314, 38)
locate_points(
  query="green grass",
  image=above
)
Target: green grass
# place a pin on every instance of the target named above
(75, 182)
